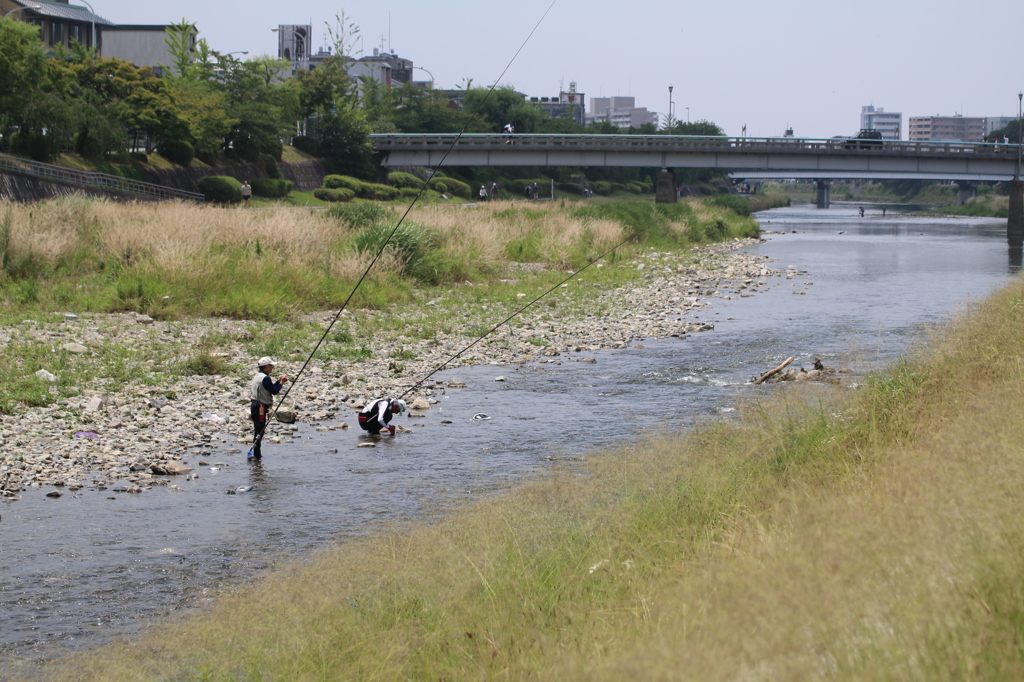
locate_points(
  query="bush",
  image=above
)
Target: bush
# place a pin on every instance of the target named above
(220, 189)
(439, 187)
(36, 146)
(636, 188)
(306, 144)
(339, 181)
(138, 156)
(371, 190)
(359, 215)
(452, 186)
(404, 180)
(272, 189)
(408, 240)
(270, 167)
(738, 205)
(333, 195)
(603, 188)
(408, 192)
(177, 151)
(571, 188)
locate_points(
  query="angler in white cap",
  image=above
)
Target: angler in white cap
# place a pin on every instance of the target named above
(378, 413)
(262, 390)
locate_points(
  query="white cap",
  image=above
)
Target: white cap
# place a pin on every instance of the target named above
(401, 405)
(264, 361)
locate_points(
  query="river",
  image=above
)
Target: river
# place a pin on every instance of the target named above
(78, 571)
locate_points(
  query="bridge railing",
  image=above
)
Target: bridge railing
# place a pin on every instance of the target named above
(93, 179)
(684, 143)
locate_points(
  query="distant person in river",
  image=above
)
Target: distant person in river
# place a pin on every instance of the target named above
(861, 211)
(377, 415)
(262, 390)
(246, 192)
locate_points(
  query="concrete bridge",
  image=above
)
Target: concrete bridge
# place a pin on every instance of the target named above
(743, 157)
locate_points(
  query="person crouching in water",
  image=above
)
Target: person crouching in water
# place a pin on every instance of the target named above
(378, 413)
(262, 391)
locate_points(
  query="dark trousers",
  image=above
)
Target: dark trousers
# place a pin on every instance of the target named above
(258, 414)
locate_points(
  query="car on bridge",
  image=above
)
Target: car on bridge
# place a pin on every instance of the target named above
(866, 139)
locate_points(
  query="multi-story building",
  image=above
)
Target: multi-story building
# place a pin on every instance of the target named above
(889, 123)
(568, 104)
(946, 128)
(620, 111)
(59, 21)
(994, 123)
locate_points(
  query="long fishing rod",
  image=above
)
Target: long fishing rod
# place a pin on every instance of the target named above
(520, 311)
(433, 172)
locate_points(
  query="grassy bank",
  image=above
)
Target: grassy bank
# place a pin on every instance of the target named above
(984, 206)
(831, 534)
(172, 260)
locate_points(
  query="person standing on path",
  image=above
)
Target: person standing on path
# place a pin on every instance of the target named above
(483, 193)
(536, 192)
(246, 192)
(377, 415)
(262, 390)
(494, 191)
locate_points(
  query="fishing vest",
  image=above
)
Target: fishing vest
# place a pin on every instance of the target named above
(259, 392)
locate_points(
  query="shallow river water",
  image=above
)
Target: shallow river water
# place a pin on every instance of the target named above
(79, 570)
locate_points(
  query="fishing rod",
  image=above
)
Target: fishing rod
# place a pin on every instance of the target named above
(520, 311)
(259, 439)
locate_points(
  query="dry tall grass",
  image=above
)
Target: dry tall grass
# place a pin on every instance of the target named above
(831, 535)
(173, 259)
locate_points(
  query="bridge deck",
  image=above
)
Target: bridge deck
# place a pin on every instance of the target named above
(836, 157)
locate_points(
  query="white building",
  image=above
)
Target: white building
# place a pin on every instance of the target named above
(994, 123)
(889, 123)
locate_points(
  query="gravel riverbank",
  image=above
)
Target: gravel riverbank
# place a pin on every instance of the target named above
(129, 436)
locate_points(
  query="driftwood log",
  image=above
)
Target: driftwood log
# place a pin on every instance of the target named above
(773, 372)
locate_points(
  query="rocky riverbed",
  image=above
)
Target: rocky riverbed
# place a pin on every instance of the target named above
(129, 436)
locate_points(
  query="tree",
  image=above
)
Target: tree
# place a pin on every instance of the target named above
(22, 69)
(501, 106)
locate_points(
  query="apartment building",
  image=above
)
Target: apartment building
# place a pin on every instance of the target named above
(620, 111)
(568, 103)
(946, 128)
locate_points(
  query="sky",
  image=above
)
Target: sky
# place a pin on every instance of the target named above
(769, 65)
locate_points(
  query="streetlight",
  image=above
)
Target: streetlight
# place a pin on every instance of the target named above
(668, 120)
(1020, 98)
(428, 73)
(687, 114)
(93, 13)
(18, 9)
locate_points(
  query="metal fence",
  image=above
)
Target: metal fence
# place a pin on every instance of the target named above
(93, 179)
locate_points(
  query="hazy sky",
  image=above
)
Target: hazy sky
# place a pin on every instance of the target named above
(768, 64)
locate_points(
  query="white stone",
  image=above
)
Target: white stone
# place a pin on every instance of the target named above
(43, 375)
(75, 348)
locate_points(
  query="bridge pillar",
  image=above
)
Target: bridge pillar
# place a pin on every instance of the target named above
(665, 192)
(1015, 220)
(965, 191)
(823, 193)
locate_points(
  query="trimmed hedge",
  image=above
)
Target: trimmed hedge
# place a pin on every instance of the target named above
(220, 189)
(333, 195)
(306, 144)
(177, 151)
(371, 190)
(339, 181)
(571, 188)
(452, 186)
(403, 180)
(270, 188)
(603, 187)
(270, 167)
